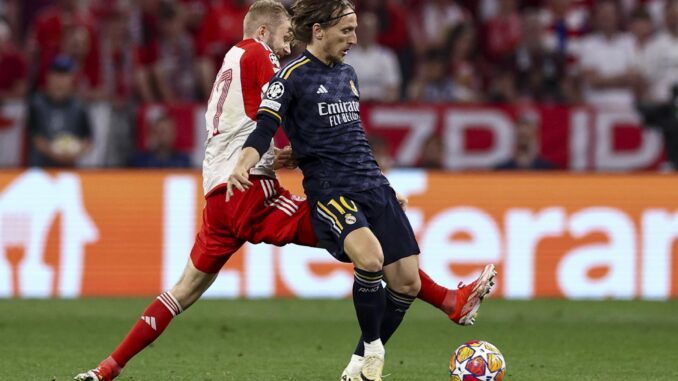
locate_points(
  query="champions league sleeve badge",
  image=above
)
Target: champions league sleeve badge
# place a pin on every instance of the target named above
(275, 91)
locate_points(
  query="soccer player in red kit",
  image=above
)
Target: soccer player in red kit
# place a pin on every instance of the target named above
(267, 212)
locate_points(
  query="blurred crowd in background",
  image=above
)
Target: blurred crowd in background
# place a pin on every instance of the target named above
(62, 57)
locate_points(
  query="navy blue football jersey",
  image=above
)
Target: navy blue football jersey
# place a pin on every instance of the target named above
(319, 109)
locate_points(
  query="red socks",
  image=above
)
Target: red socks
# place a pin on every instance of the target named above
(161, 311)
(152, 323)
(435, 294)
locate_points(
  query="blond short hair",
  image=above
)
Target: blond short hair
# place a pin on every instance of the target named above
(264, 12)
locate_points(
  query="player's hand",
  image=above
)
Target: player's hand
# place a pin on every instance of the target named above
(284, 158)
(239, 180)
(402, 200)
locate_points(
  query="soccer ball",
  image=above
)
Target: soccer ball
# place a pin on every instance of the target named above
(477, 361)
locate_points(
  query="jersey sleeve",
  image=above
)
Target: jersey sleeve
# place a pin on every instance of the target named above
(276, 99)
(256, 69)
(274, 105)
(259, 65)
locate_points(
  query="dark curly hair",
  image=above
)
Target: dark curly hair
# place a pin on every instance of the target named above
(306, 13)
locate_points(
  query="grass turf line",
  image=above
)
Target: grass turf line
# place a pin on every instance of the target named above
(277, 340)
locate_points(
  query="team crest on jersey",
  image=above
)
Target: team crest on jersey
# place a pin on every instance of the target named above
(354, 89)
(274, 60)
(350, 219)
(275, 91)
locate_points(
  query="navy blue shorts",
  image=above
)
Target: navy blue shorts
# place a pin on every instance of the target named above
(335, 216)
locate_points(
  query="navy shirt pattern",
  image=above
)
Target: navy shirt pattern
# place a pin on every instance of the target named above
(319, 109)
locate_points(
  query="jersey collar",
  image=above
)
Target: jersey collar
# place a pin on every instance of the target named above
(265, 45)
(315, 59)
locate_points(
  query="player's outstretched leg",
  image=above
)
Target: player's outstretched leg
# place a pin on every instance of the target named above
(468, 297)
(460, 305)
(152, 323)
(149, 327)
(436, 295)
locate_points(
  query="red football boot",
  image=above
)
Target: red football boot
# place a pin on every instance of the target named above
(467, 298)
(106, 371)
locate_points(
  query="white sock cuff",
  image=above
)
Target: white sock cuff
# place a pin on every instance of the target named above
(169, 301)
(374, 348)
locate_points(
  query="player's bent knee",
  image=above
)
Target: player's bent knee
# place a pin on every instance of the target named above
(372, 263)
(409, 286)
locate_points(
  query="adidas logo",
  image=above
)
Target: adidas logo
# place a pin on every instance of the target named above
(321, 90)
(150, 320)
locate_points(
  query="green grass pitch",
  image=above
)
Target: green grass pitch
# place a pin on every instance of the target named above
(276, 340)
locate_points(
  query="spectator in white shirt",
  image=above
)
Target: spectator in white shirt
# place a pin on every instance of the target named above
(660, 59)
(433, 22)
(376, 66)
(641, 28)
(608, 62)
(659, 63)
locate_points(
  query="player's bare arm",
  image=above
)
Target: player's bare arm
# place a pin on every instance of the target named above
(256, 145)
(240, 176)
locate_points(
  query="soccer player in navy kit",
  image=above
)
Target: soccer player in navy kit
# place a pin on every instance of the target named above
(267, 213)
(355, 212)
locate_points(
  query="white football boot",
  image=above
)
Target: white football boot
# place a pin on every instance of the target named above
(352, 371)
(372, 368)
(90, 375)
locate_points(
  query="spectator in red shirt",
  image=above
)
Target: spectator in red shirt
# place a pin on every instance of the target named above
(49, 29)
(503, 32)
(392, 21)
(464, 64)
(117, 55)
(393, 32)
(195, 12)
(221, 29)
(77, 44)
(167, 70)
(13, 76)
